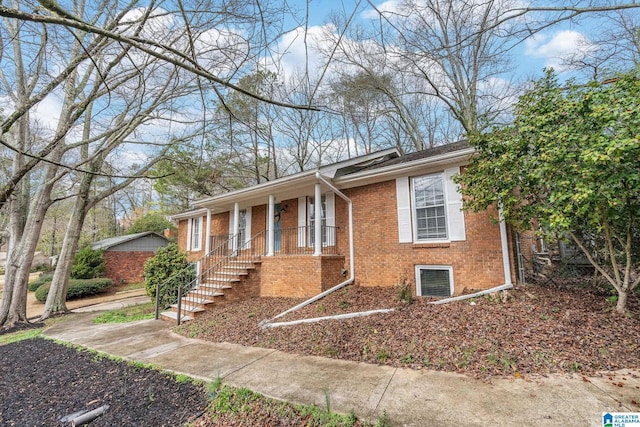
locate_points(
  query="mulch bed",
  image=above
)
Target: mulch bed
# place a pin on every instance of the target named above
(42, 381)
(537, 330)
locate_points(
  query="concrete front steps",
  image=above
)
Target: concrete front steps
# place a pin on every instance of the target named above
(212, 289)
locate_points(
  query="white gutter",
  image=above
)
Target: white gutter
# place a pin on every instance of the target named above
(190, 214)
(266, 323)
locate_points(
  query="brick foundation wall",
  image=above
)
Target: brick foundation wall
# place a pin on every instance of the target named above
(380, 259)
(300, 276)
(125, 266)
(248, 288)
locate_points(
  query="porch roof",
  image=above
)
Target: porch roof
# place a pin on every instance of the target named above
(362, 170)
(292, 186)
(283, 188)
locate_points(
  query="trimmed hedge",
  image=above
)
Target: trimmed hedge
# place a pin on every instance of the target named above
(44, 278)
(78, 288)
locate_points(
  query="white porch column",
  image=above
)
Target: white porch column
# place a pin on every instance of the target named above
(270, 227)
(207, 242)
(317, 229)
(236, 225)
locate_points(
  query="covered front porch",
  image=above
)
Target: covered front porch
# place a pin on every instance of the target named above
(287, 238)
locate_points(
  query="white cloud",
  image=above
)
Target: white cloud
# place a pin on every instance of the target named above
(387, 8)
(159, 23)
(47, 113)
(559, 49)
(297, 52)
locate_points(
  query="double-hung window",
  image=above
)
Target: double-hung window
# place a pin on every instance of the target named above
(430, 209)
(195, 234)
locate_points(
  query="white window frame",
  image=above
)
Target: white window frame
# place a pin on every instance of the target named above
(328, 219)
(448, 268)
(195, 234)
(244, 240)
(405, 202)
(414, 208)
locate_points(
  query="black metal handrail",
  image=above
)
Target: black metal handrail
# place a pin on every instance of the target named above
(217, 270)
(209, 275)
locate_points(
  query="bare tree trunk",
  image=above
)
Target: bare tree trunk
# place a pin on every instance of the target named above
(22, 255)
(56, 299)
(621, 306)
(18, 211)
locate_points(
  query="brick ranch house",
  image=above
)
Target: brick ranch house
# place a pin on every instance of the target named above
(124, 256)
(383, 217)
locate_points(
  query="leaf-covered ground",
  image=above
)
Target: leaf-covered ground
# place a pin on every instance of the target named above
(42, 382)
(535, 330)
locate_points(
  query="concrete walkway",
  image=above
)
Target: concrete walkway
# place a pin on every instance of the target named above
(409, 397)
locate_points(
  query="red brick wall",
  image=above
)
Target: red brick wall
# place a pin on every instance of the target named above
(125, 266)
(299, 276)
(380, 259)
(248, 288)
(258, 219)
(219, 224)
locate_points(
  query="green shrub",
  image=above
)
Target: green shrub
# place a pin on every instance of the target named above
(35, 284)
(43, 267)
(87, 264)
(169, 262)
(78, 288)
(404, 290)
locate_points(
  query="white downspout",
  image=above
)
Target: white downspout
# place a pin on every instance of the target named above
(266, 323)
(505, 264)
(505, 250)
(350, 208)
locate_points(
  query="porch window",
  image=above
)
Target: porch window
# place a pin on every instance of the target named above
(434, 281)
(429, 208)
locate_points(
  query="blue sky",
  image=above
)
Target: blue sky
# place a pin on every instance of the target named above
(545, 49)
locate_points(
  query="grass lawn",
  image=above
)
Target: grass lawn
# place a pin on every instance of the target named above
(127, 314)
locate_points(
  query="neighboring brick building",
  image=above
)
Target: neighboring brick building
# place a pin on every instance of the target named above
(125, 255)
(406, 223)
